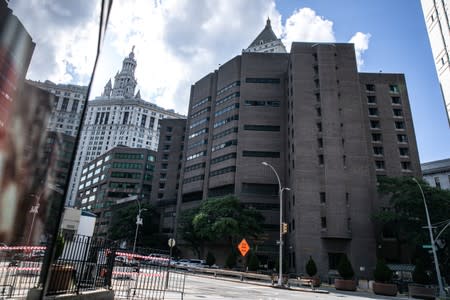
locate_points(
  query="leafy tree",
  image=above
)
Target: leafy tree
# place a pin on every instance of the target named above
(210, 259)
(188, 233)
(123, 226)
(59, 246)
(311, 268)
(407, 216)
(419, 275)
(226, 217)
(345, 268)
(219, 219)
(253, 262)
(230, 262)
(382, 273)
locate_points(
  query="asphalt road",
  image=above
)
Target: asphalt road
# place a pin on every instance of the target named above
(199, 287)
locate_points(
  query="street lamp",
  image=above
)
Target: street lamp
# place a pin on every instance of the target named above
(280, 192)
(138, 222)
(433, 247)
(34, 210)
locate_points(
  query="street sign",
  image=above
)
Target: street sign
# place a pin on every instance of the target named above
(243, 247)
(171, 242)
(127, 199)
(426, 247)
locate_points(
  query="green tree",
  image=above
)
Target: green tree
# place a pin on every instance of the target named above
(311, 268)
(219, 219)
(382, 273)
(226, 218)
(406, 216)
(420, 275)
(345, 268)
(188, 233)
(253, 262)
(123, 226)
(210, 259)
(230, 262)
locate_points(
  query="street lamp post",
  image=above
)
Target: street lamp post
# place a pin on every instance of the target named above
(138, 222)
(433, 246)
(280, 192)
(34, 210)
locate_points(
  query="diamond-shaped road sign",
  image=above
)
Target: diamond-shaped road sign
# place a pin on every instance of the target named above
(243, 247)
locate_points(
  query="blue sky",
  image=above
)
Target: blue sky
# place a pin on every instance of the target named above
(398, 44)
(179, 41)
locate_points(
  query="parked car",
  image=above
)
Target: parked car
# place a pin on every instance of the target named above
(197, 263)
(37, 255)
(182, 263)
(121, 260)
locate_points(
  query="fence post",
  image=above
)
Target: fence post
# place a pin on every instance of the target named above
(109, 268)
(80, 276)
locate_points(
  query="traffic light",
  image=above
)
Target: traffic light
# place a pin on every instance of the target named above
(284, 228)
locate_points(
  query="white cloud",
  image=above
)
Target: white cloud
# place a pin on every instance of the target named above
(64, 36)
(306, 26)
(182, 42)
(177, 41)
(361, 41)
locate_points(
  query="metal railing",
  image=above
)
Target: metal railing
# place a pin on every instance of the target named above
(147, 275)
(20, 267)
(85, 263)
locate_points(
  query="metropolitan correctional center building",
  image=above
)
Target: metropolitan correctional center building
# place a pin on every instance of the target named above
(328, 130)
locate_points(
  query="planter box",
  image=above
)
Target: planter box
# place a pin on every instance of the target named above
(305, 280)
(345, 285)
(421, 292)
(61, 279)
(386, 289)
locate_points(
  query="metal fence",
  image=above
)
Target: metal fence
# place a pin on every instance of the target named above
(20, 267)
(82, 264)
(146, 276)
(85, 263)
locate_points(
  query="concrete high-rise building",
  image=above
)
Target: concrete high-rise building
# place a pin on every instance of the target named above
(328, 130)
(167, 171)
(67, 108)
(113, 178)
(118, 117)
(437, 20)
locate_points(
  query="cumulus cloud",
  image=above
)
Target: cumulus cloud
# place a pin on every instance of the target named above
(64, 37)
(306, 26)
(361, 42)
(177, 41)
(182, 41)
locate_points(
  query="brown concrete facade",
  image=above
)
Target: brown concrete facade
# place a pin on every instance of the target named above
(329, 168)
(305, 113)
(167, 171)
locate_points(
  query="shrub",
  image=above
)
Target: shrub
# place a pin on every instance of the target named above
(277, 265)
(253, 263)
(59, 246)
(231, 261)
(210, 259)
(382, 273)
(310, 267)
(419, 275)
(345, 268)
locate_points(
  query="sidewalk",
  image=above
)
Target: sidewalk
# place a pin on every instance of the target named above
(323, 289)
